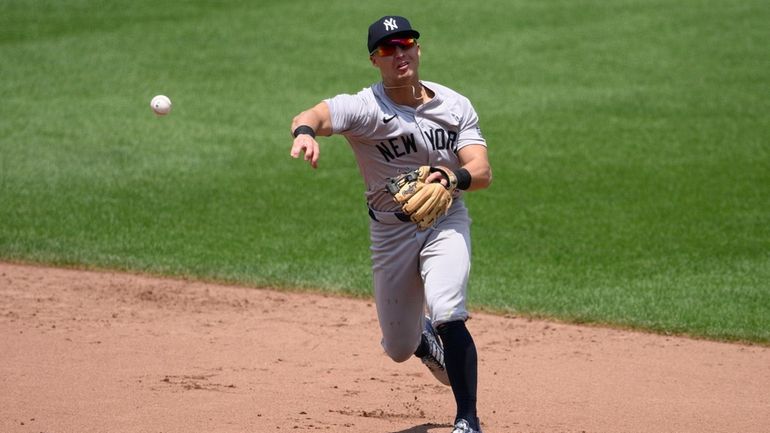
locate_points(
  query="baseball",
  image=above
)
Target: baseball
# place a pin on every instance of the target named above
(161, 105)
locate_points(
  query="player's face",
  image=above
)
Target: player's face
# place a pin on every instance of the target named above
(398, 59)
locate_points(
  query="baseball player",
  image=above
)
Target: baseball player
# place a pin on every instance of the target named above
(419, 148)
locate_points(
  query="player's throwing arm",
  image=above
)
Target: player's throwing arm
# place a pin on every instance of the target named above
(305, 127)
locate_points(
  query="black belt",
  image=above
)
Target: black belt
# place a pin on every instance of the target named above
(389, 217)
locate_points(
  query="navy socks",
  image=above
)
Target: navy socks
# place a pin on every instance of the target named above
(462, 367)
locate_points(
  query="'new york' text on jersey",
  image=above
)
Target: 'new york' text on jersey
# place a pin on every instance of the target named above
(387, 138)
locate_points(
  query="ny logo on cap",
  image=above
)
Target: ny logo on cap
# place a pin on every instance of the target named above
(390, 24)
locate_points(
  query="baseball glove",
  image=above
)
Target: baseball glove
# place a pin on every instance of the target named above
(423, 202)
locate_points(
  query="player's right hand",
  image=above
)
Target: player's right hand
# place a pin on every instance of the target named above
(306, 144)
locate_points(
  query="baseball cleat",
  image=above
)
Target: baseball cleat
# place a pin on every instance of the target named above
(462, 426)
(434, 358)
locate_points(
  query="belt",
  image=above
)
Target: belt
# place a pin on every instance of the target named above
(389, 217)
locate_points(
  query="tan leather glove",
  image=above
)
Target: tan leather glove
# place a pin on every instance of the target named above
(423, 202)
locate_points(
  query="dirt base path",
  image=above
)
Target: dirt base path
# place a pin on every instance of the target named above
(108, 352)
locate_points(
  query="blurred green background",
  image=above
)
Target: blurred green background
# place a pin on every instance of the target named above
(630, 143)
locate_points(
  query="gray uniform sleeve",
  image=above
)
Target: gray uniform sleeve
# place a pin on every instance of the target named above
(470, 132)
(350, 114)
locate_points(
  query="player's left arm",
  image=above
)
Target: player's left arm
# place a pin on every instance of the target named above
(472, 153)
(473, 158)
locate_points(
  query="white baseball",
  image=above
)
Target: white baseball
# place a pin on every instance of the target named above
(161, 105)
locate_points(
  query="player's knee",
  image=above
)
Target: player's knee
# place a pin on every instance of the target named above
(398, 352)
(400, 356)
(401, 353)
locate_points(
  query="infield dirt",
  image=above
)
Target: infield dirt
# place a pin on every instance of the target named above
(84, 351)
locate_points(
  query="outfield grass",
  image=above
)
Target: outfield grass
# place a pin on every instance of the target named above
(630, 142)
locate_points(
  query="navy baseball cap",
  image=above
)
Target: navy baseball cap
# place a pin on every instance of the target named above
(387, 27)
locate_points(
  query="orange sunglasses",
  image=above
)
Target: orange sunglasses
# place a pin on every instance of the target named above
(388, 48)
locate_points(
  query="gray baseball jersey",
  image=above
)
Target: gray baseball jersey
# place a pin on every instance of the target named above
(412, 269)
(388, 138)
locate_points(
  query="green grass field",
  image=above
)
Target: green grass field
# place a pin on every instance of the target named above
(630, 142)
